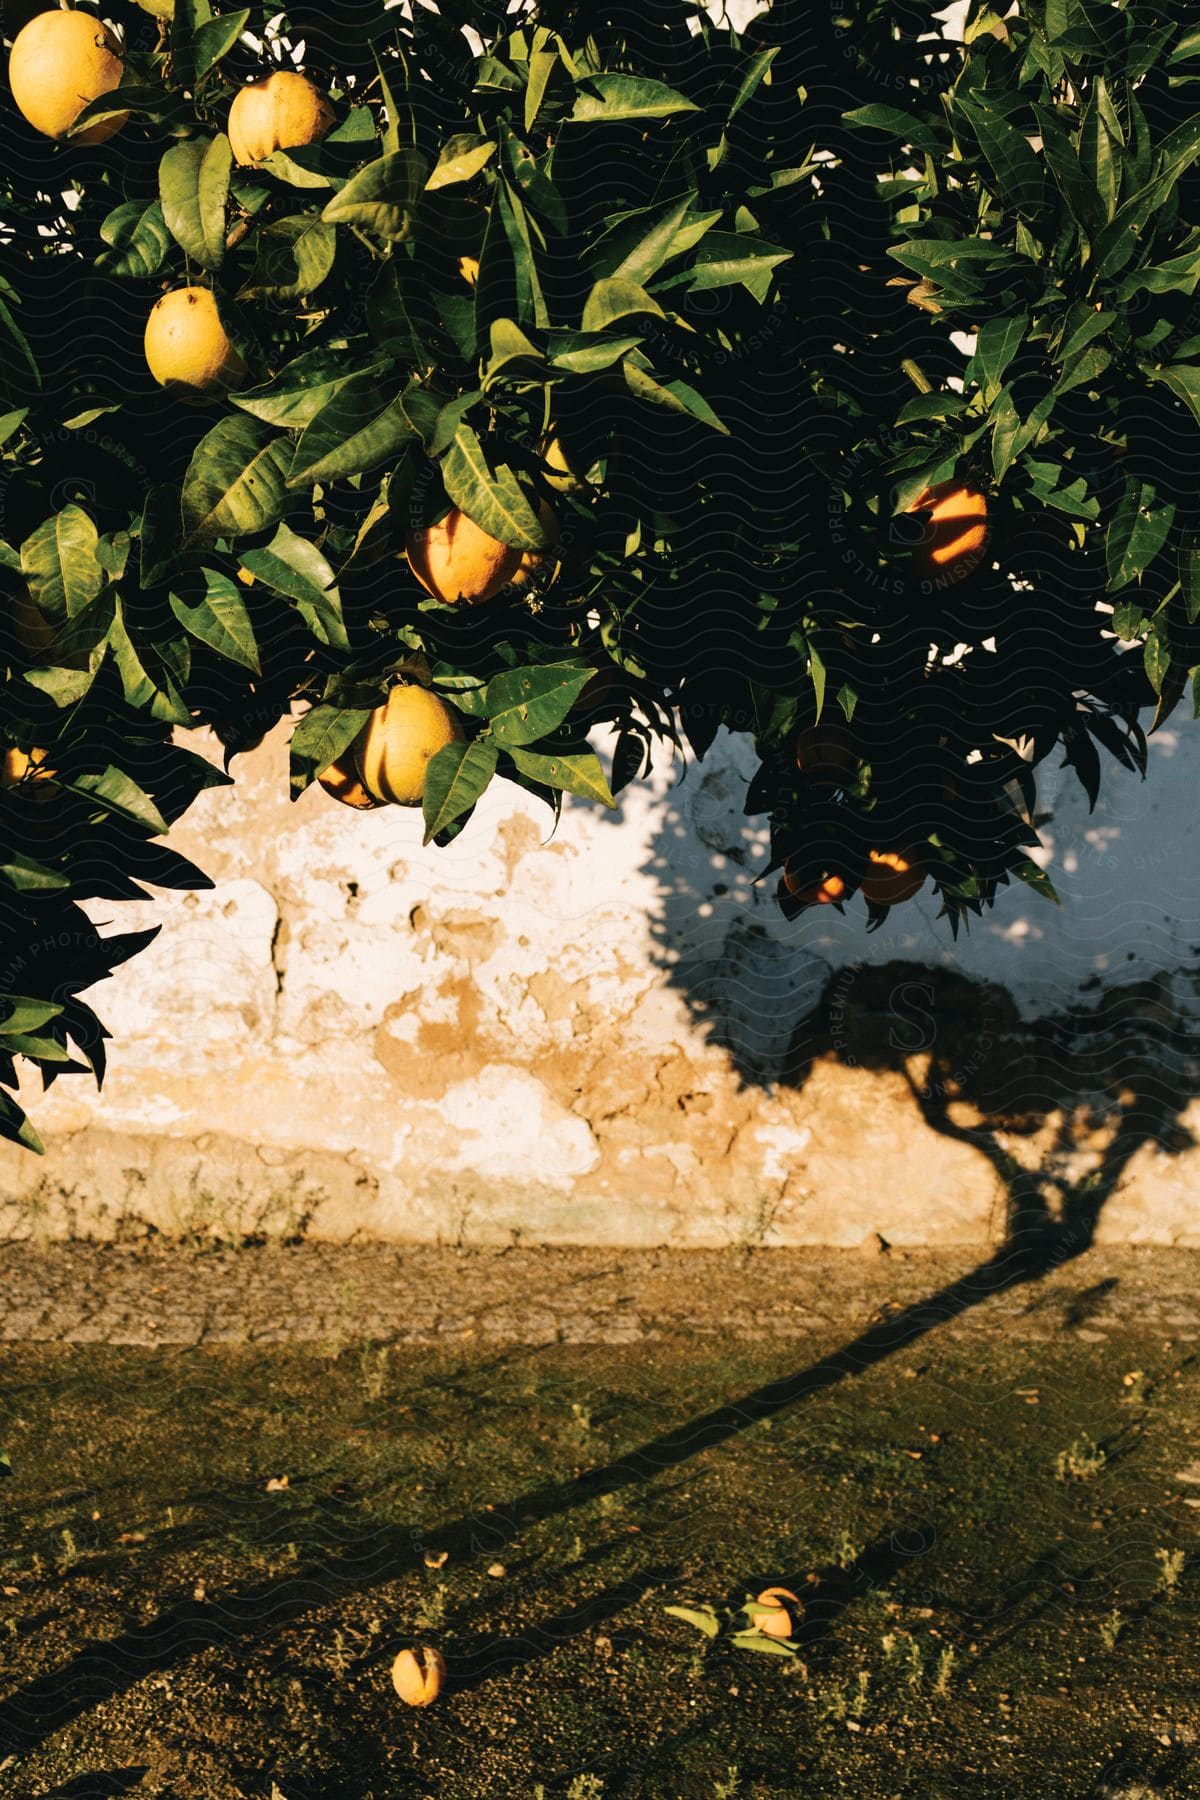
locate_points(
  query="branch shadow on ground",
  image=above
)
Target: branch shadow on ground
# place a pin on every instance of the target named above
(1058, 1108)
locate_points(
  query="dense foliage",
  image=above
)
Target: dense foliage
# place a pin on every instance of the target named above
(678, 311)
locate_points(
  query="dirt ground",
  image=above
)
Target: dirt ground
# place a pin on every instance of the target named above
(242, 1481)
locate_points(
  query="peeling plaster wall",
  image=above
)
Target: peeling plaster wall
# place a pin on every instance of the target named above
(610, 1035)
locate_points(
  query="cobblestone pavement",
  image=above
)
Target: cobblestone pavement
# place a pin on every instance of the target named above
(157, 1294)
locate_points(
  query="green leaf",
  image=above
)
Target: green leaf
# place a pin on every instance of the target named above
(727, 258)
(293, 258)
(531, 304)
(362, 424)
(297, 394)
(22, 1013)
(587, 352)
(292, 566)
(461, 160)
(1136, 533)
(1017, 172)
(757, 71)
(216, 39)
(160, 698)
(28, 876)
(573, 771)
(512, 355)
(381, 197)
(490, 494)
(299, 168)
(1084, 369)
(119, 793)
(320, 738)
(765, 1646)
(901, 124)
(59, 562)
(1183, 379)
(1178, 275)
(10, 423)
(64, 686)
(541, 67)
(702, 1617)
(454, 779)
(1156, 656)
(236, 482)
(1038, 880)
(1189, 577)
(637, 245)
(995, 346)
(193, 187)
(676, 396)
(220, 620)
(526, 704)
(614, 297)
(157, 102)
(18, 1130)
(188, 17)
(607, 98)
(139, 238)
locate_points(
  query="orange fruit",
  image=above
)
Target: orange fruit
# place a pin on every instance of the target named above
(892, 876)
(341, 780)
(824, 891)
(456, 560)
(59, 62)
(418, 1683)
(956, 530)
(28, 771)
(284, 112)
(780, 1607)
(187, 347)
(393, 750)
(826, 754)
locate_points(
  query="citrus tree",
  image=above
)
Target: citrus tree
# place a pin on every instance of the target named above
(459, 380)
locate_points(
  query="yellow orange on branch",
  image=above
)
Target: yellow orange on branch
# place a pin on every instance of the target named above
(393, 751)
(456, 560)
(60, 62)
(341, 779)
(284, 112)
(187, 346)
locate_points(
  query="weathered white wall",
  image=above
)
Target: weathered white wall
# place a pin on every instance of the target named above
(585, 1037)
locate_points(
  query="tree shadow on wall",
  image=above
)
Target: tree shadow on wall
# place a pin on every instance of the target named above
(1058, 1106)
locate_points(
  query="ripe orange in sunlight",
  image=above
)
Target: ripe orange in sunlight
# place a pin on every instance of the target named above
(823, 892)
(955, 533)
(59, 63)
(781, 1609)
(456, 560)
(419, 1683)
(284, 112)
(892, 876)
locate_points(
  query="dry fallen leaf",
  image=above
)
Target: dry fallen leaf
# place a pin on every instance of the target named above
(497, 1569)
(435, 1559)
(276, 1484)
